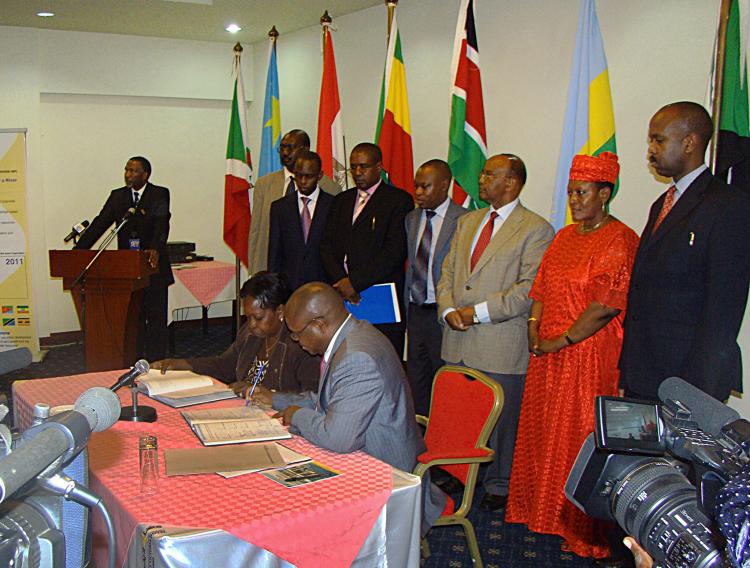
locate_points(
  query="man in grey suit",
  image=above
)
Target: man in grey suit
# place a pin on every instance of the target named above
(483, 297)
(363, 401)
(429, 230)
(274, 186)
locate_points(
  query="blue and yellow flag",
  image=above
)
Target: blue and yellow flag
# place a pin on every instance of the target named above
(589, 119)
(271, 133)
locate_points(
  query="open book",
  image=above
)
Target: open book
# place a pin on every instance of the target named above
(236, 425)
(182, 388)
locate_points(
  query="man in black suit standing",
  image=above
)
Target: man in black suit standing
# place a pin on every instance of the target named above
(429, 230)
(689, 283)
(364, 242)
(147, 228)
(297, 223)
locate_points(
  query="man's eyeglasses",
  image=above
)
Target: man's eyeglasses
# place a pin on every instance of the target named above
(296, 334)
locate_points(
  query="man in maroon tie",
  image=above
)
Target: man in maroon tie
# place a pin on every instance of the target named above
(297, 223)
(483, 300)
(689, 284)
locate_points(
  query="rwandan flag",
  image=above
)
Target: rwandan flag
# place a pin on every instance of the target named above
(393, 133)
(271, 133)
(733, 153)
(589, 119)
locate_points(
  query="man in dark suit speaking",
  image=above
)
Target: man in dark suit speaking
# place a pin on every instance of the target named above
(364, 242)
(689, 284)
(297, 223)
(147, 228)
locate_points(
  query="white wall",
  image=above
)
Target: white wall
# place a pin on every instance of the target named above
(658, 52)
(90, 101)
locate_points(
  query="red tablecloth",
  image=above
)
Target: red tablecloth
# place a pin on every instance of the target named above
(322, 524)
(205, 280)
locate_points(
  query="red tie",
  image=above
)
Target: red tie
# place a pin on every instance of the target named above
(322, 366)
(665, 208)
(484, 239)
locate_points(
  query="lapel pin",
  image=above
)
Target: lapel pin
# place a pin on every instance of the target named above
(692, 238)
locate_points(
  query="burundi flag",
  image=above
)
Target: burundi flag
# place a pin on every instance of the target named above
(393, 133)
(271, 133)
(589, 120)
(733, 151)
(237, 186)
(467, 151)
(330, 144)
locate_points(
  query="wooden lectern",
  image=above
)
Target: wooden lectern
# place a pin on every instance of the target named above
(114, 289)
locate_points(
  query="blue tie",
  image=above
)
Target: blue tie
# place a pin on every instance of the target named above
(422, 261)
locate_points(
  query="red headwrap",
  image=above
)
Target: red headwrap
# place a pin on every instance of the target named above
(603, 167)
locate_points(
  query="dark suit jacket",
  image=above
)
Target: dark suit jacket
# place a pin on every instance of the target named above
(287, 251)
(150, 224)
(375, 246)
(688, 292)
(413, 220)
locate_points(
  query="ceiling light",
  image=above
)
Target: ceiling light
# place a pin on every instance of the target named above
(233, 28)
(45, 14)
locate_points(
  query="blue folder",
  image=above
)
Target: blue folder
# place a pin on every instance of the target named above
(378, 304)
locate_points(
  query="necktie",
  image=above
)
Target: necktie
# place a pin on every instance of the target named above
(306, 219)
(136, 198)
(484, 239)
(422, 261)
(363, 197)
(291, 188)
(665, 208)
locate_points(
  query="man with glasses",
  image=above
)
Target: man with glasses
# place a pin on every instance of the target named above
(274, 186)
(483, 299)
(363, 401)
(364, 242)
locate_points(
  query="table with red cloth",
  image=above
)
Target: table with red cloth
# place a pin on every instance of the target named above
(321, 524)
(200, 284)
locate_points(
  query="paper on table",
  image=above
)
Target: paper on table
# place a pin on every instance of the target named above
(233, 414)
(213, 433)
(289, 456)
(157, 383)
(229, 458)
(200, 391)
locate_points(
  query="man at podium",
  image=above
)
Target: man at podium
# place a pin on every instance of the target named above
(146, 208)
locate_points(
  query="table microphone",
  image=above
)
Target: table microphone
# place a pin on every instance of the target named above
(126, 379)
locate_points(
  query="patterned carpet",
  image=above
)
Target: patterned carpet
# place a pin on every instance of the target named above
(502, 545)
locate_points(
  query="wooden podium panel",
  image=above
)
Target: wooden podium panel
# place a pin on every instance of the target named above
(113, 293)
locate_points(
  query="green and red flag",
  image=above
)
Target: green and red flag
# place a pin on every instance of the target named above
(393, 133)
(239, 171)
(467, 149)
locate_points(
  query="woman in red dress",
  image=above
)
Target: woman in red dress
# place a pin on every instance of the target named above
(575, 335)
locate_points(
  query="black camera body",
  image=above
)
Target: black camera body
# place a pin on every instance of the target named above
(655, 470)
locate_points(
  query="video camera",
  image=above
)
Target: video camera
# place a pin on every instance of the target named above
(656, 470)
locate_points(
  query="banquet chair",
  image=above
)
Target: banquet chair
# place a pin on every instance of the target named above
(465, 407)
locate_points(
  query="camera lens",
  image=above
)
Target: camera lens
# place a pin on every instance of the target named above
(655, 503)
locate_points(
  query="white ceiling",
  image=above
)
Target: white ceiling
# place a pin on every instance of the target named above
(183, 19)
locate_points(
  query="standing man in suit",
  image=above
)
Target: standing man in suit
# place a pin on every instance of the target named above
(690, 279)
(297, 222)
(363, 401)
(147, 228)
(429, 230)
(364, 242)
(483, 297)
(274, 186)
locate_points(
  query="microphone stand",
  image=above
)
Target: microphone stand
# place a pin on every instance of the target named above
(81, 278)
(137, 413)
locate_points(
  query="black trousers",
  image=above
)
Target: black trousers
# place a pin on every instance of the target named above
(152, 325)
(395, 334)
(423, 353)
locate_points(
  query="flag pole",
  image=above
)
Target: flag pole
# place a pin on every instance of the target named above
(391, 5)
(718, 86)
(237, 264)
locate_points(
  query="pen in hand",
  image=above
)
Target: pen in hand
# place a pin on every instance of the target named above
(258, 375)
